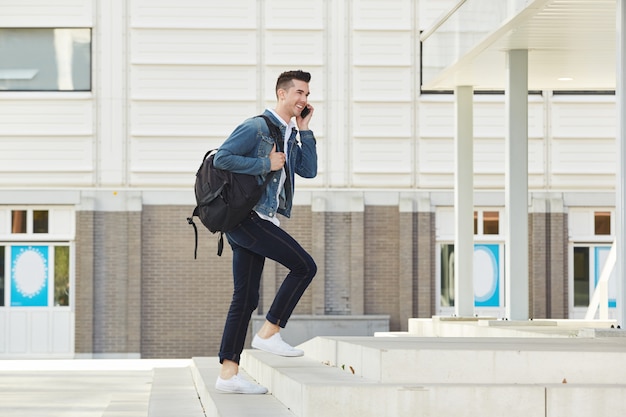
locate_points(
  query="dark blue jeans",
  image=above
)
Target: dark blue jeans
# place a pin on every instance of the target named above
(252, 241)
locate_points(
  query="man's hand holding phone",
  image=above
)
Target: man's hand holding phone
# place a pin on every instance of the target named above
(305, 117)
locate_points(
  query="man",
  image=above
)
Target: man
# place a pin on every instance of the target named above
(250, 149)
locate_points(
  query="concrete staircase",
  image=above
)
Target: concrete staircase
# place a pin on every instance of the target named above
(480, 368)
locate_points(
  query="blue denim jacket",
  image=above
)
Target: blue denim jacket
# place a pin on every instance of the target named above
(247, 149)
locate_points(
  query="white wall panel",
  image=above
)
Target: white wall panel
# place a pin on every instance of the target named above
(436, 119)
(382, 155)
(45, 115)
(582, 183)
(18, 332)
(39, 331)
(436, 155)
(385, 180)
(488, 156)
(5, 221)
(38, 153)
(189, 118)
(279, 14)
(536, 118)
(382, 14)
(231, 14)
(386, 48)
(580, 222)
(287, 47)
(585, 119)
(382, 84)
(62, 339)
(536, 156)
(189, 46)
(583, 156)
(377, 120)
(188, 82)
(3, 330)
(46, 13)
(170, 154)
(62, 222)
(489, 119)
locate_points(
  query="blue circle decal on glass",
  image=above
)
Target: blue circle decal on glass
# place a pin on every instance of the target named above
(29, 276)
(486, 276)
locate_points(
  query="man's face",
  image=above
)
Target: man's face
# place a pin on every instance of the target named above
(295, 98)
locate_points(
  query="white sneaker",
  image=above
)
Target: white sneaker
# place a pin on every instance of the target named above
(275, 345)
(238, 385)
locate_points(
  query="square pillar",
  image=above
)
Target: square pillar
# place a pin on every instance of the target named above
(464, 203)
(620, 265)
(516, 186)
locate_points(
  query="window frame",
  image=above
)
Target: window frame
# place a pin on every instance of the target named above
(88, 71)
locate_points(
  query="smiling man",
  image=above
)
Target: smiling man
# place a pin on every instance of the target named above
(251, 149)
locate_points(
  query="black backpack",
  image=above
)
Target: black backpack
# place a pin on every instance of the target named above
(225, 198)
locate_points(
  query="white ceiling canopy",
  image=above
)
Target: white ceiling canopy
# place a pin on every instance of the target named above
(571, 44)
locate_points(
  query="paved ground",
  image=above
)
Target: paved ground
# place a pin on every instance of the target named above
(75, 388)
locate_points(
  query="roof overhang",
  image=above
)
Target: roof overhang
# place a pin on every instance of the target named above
(571, 45)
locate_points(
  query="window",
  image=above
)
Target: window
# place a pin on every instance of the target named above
(487, 276)
(45, 59)
(602, 222)
(61, 276)
(29, 221)
(486, 222)
(18, 221)
(2, 276)
(40, 221)
(491, 223)
(447, 275)
(581, 276)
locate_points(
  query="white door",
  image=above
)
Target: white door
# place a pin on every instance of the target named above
(587, 263)
(36, 278)
(35, 316)
(488, 279)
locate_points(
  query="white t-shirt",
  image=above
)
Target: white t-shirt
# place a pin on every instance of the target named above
(283, 175)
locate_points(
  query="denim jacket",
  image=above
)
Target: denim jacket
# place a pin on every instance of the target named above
(247, 149)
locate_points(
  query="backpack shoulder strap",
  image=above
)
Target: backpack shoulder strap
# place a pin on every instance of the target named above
(275, 132)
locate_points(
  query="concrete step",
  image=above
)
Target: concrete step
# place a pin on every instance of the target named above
(174, 393)
(440, 326)
(127, 407)
(466, 360)
(217, 404)
(311, 387)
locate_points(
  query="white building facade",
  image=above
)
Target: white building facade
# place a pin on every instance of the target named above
(107, 107)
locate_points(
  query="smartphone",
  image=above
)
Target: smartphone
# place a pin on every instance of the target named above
(305, 111)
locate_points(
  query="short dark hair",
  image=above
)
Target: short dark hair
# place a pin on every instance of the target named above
(285, 80)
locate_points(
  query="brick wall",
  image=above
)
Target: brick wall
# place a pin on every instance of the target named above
(117, 278)
(83, 297)
(138, 288)
(548, 266)
(184, 301)
(424, 255)
(381, 262)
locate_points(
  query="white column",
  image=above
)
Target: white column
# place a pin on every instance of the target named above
(464, 203)
(516, 186)
(620, 233)
(338, 165)
(110, 90)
